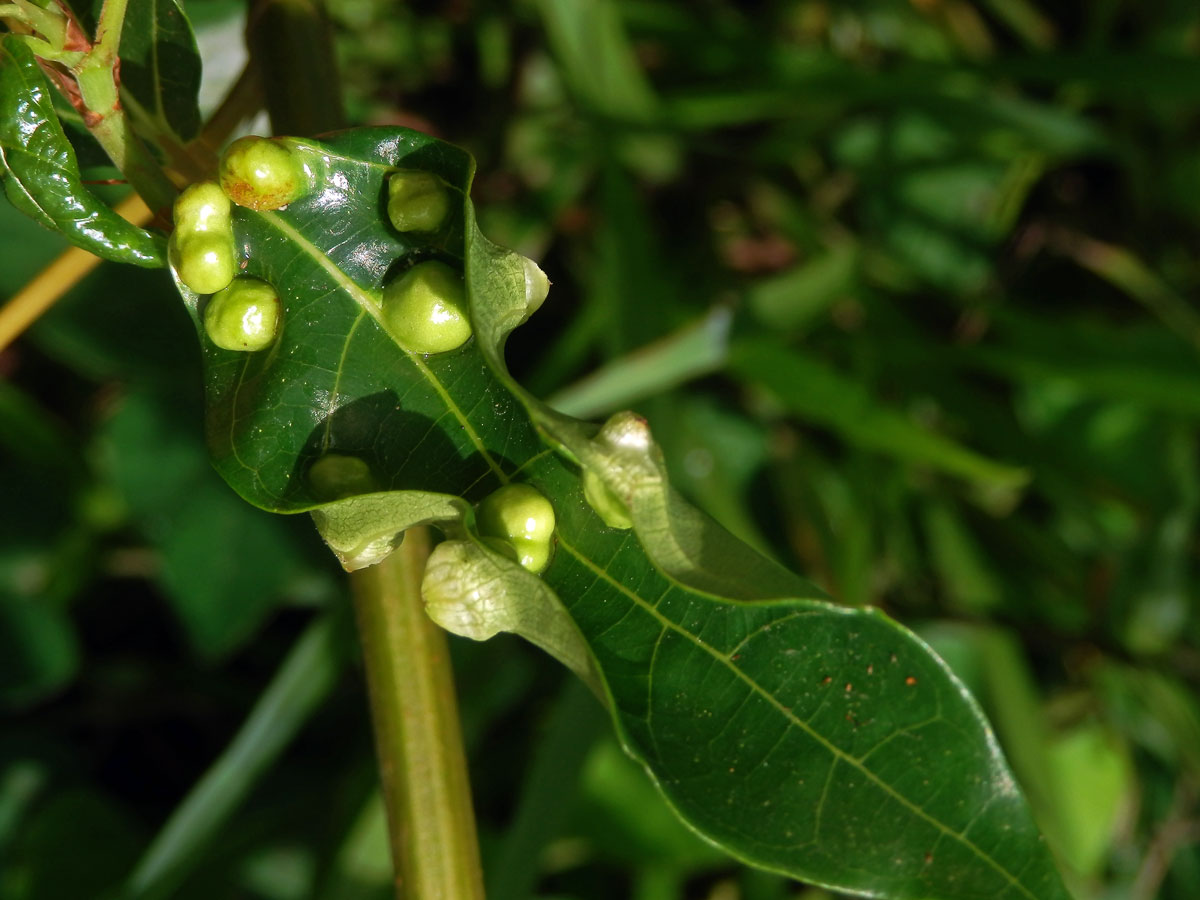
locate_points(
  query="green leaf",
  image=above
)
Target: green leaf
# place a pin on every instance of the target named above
(793, 300)
(160, 67)
(694, 350)
(44, 553)
(40, 173)
(825, 743)
(1092, 772)
(39, 652)
(823, 396)
(335, 380)
(103, 838)
(304, 679)
(224, 566)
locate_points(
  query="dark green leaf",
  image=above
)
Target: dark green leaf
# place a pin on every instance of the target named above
(826, 743)
(41, 176)
(39, 652)
(102, 836)
(548, 794)
(335, 380)
(302, 682)
(43, 552)
(826, 398)
(224, 565)
(160, 66)
(115, 325)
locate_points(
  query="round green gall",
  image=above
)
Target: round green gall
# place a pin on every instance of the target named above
(262, 173)
(523, 518)
(604, 502)
(244, 316)
(417, 201)
(336, 475)
(426, 309)
(534, 557)
(204, 260)
(537, 286)
(202, 248)
(203, 207)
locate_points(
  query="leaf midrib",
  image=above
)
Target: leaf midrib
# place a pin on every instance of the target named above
(836, 752)
(364, 300)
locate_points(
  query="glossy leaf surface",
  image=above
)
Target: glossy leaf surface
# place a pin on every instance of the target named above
(41, 175)
(160, 66)
(825, 743)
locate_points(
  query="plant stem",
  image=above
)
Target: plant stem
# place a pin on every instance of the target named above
(108, 32)
(114, 133)
(99, 90)
(422, 765)
(417, 736)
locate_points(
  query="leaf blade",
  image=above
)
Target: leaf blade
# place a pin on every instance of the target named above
(734, 655)
(730, 679)
(160, 67)
(40, 173)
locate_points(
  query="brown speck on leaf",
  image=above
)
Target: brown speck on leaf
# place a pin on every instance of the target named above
(871, 670)
(827, 679)
(849, 687)
(928, 858)
(910, 681)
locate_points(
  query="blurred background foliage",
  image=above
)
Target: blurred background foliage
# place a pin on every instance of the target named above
(907, 290)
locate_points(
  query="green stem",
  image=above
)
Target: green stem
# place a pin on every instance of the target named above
(108, 32)
(104, 117)
(114, 133)
(417, 736)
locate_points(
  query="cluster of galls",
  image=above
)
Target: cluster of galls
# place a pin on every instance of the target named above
(243, 313)
(424, 309)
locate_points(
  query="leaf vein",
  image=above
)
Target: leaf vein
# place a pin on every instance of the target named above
(836, 752)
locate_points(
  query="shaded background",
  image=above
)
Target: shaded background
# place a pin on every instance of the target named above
(907, 290)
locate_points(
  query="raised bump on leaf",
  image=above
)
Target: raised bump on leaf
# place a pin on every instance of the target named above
(205, 261)
(243, 316)
(203, 207)
(201, 246)
(537, 286)
(624, 456)
(262, 173)
(426, 309)
(417, 201)
(337, 475)
(477, 594)
(604, 502)
(522, 517)
(363, 529)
